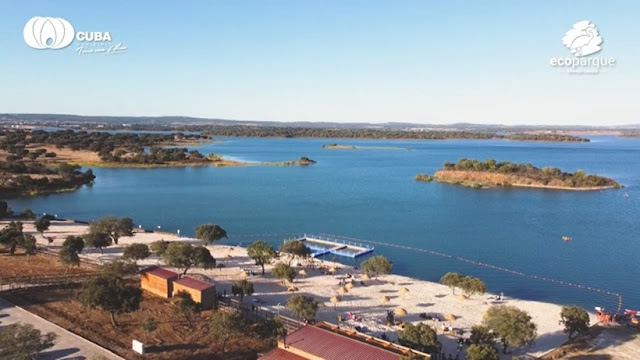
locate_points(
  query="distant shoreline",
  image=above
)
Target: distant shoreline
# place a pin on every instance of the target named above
(361, 147)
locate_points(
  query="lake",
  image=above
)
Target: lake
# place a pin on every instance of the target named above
(371, 194)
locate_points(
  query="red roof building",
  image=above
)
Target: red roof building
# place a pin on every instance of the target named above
(201, 291)
(194, 283)
(325, 341)
(281, 354)
(158, 281)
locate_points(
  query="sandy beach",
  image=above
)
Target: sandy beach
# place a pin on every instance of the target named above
(363, 301)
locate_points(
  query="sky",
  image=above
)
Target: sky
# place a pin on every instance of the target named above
(432, 62)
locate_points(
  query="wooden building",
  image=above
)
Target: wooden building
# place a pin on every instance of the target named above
(201, 292)
(158, 281)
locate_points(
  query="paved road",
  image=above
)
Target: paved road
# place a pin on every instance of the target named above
(69, 346)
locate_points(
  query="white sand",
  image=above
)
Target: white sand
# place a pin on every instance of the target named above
(363, 301)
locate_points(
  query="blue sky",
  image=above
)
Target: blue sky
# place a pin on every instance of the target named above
(345, 61)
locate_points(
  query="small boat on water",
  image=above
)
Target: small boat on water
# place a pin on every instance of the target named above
(632, 312)
(626, 195)
(566, 238)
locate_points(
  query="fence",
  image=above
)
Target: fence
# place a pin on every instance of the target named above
(83, 259)
(19, 282)
(256, 313)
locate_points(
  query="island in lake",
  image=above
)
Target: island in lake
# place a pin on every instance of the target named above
(34, 162)
(489, 173)
(335, 146)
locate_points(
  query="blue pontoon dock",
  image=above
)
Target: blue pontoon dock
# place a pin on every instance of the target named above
(322, 245)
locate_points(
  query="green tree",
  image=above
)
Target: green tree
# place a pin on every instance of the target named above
(187, 307)
(271, 330)
(5, 210)
(148, 326)
(110, 293)
(159, 247)
(13, 237)
(261, 253)
(420, 337)
(209, 233)
(481, 352)
(471, 285)
(27, 214)
(242, 288)
(114, 227)
(304, 307)
(118, 268)
(575, 319)
(136, 252)
(295, 249)
(98, 240)
(23, 342)
(452, 280)
(376, 265)
(42, 225)
(29, 245)
(226, 325)
(511, 325)
(183, 255)
(482, 335)
(283, 272)
(73, 243)
(68, 258)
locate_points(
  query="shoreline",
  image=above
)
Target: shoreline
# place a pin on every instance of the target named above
(363, 300)
(531, 186)
(485, 179)
(223, 163)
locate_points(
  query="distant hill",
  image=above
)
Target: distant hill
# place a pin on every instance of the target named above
(65, 120)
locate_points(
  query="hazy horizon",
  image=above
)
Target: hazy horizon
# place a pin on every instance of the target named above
(212, 119)
(355, 62)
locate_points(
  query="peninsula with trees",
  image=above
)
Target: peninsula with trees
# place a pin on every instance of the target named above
(35, 162)
(490, 173)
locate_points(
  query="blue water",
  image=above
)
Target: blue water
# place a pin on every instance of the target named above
(371, 194)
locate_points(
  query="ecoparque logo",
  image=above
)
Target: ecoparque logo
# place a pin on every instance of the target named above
(582, 40)
(43, 33)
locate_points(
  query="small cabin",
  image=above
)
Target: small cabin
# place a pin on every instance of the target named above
(158, 281)
(201, 291)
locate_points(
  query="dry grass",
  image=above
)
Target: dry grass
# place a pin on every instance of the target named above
(492, 179)
(173, 339)
(36, 265)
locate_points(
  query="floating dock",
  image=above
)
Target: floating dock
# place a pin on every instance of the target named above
(322, 245)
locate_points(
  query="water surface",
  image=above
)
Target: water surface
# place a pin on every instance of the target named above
(371, 194)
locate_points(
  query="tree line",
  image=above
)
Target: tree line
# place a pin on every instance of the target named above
(96, 141)
(355, 133)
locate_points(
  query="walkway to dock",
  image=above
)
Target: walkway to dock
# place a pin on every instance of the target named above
(322, 245)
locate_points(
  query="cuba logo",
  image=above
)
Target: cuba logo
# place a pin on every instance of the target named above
(48, 33)
(56, 33)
